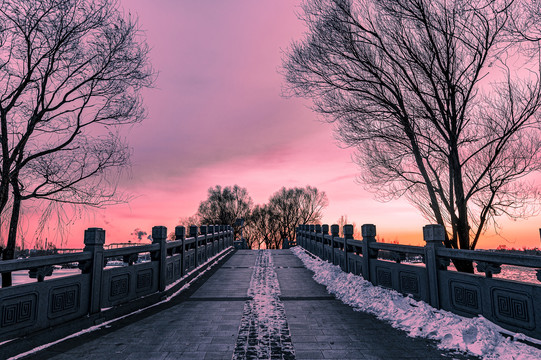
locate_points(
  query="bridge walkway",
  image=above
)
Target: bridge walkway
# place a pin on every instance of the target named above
(257, 305)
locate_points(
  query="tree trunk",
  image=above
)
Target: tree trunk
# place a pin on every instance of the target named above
(465, 266)
(462, 225)
(9, 251)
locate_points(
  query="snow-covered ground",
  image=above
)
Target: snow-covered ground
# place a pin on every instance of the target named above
(477, 336)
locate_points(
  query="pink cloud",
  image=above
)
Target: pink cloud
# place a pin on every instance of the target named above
(216, 117)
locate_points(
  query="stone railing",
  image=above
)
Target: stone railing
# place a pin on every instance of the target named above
(96, 290)
(513, 305)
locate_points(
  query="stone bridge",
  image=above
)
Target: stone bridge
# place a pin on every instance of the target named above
(198, 298)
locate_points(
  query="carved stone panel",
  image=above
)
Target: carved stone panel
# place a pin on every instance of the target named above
(169, 272)
(176, 268)
(409, 283)
(513, 307)
(358, 267)
(64, 300)
(144, 280)
(384, 277)
(328, 253)
(120, 286)
(465, 297)
(19, 311)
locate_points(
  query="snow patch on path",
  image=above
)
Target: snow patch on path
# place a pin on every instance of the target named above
(264, 332)
(477, 336)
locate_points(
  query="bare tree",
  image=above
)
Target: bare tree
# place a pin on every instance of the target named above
(296, 206)
(71, 72)
(440, 99)
(138, 234)
(185, 221)
(224, 206)
(263, 228)
(343, 220)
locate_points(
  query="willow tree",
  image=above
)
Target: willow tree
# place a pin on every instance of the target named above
(71, 72)
(440, 99)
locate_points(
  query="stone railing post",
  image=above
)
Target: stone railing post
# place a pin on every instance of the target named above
(434, 236)
(216, 240)
(348, 235)
(222, 237)
(94, 240)
(159, 236)
(325, 232)
(368, 232)
(193, 233)
(180, 234)
(312, 229)
(335, 231)
(319, 250)
(306, 236)
(203, 229)
(211, 237)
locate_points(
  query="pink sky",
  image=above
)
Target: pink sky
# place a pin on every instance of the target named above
(216, 116)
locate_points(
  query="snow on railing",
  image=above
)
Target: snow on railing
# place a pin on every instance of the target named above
(425, 273)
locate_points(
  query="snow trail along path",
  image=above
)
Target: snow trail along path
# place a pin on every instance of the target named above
(264, 332)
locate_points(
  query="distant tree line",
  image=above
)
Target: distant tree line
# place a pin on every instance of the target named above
(266, 225)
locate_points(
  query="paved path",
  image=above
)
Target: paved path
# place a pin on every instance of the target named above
(258, 305)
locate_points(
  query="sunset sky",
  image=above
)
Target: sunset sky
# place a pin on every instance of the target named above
(216, 116)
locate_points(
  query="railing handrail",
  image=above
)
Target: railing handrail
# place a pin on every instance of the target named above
(72, 257)
(93, 292)
(510, 303)
(408, 249)
(129, 250)
(46, 260)
(531, 261)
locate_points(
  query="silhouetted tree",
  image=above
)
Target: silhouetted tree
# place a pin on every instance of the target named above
(440, 99)
(185, 221)
(70, 74)
(343, 220)
(263, 228)
(224, 205)
(138, 235)
(296, 206)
